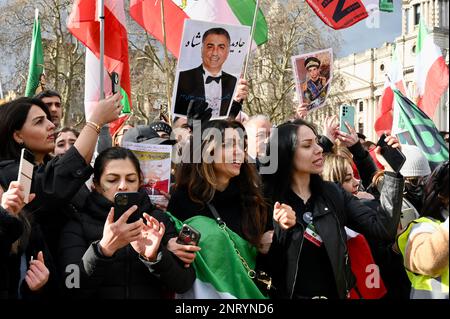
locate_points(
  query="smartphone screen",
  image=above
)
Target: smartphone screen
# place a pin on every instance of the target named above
(188, 236)
(123, 201)
(393, 156)
(25, 175)
(346, 114)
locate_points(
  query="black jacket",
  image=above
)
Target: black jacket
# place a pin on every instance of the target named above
(54, 183)
(10, 268)
(334, 208)
(10, 230)
(191, 87)
(124, 275)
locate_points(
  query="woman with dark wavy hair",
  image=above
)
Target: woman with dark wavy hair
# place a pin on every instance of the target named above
(223, 181)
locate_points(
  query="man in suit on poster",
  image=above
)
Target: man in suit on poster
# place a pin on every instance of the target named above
(208, 82)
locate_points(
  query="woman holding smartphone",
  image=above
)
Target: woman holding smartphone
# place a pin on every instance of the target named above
(121, 257)
(310, 260)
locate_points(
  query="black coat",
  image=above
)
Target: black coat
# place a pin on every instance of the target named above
(334, 208)
(10, 266)
(10, 230)
(124, 275)
(191, 87)
(54, 183)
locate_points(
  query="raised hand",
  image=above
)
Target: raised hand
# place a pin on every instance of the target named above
(241, 91)
(186, 253)
(106, 110)
(393, 142)
(118, 234)
(147, 244)
(348, 139)
(330, 128)
(37, 274)
(12, 199)
(301, 111)
(284, 215)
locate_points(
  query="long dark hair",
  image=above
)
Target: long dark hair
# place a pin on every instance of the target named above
(436, 193)
(200, 181)
(13, 116)
(114, 153)
(278, 184)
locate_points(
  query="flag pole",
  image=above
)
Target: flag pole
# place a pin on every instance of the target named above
(104, 139)
(166, 62)
(101, 19)
(252, 31)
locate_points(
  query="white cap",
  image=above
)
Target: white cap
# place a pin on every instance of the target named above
(416, 163)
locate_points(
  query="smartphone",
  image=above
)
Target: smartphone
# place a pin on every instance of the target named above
(115, 86)
(346, 114)
(393, 156)
(123, 201)
(25, 176)
(407, 216)
(188, 236)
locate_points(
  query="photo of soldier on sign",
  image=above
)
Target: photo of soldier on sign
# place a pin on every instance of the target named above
(313, 73)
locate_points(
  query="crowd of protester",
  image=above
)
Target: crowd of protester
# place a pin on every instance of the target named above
(293, 225)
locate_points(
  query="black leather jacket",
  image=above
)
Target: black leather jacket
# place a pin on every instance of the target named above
(334, 208)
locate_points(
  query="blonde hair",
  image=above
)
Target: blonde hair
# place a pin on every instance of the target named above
(335, 168)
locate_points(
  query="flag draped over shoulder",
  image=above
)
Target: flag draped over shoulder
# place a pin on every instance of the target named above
(148, 15)
(386, 104)
(339, 14)
(220, 272)
(36, 66)
(84, 25)
(430, 70)
(416, 128)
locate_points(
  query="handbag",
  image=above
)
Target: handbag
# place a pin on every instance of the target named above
(262, 280)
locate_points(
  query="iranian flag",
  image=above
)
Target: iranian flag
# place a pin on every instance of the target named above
(431, 72)
(84, 25)
(36, 66)
(386, 105)
(368, 280)
(220, 272)
(148, 15)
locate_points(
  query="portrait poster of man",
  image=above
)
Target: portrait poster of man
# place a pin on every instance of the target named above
(209, 66)
(313, 73)
(155, 161)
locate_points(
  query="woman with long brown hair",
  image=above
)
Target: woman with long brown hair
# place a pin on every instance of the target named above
(220, 196)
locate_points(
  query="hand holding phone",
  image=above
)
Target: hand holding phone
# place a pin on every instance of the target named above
(188, 236)
(346, 114)
(25, 175)
(123, 201)
(393, 156)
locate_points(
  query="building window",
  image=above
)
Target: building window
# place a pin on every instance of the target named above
(361, 127)
(381, 67)
(361, 106)
(413, 49)
(443, 13)
(407, 21)
(416, 14)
